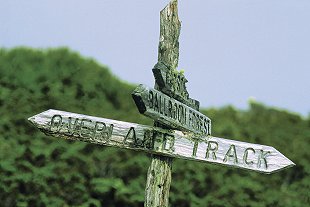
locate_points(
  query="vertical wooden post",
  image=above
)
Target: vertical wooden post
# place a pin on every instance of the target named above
(158, 182)
(159, 172)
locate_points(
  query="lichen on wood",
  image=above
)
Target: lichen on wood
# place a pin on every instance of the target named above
(157, 190)
(170, 27)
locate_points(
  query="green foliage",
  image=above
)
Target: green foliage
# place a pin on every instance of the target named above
(36, 170)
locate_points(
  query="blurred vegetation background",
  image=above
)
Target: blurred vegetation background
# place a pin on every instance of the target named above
(36, 170)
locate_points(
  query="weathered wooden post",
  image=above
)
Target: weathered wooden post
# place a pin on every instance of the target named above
(179, 131)
(159, 172)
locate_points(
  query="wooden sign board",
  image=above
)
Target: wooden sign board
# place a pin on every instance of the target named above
(170, 112)
(172, 83)
(170, 143)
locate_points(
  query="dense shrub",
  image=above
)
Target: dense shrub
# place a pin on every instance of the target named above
(36, 170)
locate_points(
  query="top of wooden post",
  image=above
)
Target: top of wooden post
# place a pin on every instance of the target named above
(168, 79)
(170, 26)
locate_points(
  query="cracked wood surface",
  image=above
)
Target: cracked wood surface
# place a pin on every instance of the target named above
(169, 143)
(158, 187)
(170, 112)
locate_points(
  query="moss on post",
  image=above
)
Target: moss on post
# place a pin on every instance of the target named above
(159, 172)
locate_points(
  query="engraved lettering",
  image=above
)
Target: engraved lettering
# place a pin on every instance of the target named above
(165, 107)
(173, 83)
(175, 111)
(190, 118)
(99, 127)
(209, 127)
(163, 141)
(200, 123)
(156, 103)
(262, 158)
(55, 123)
(162, 105)
(212, 147)
(168, 143)
(85, 128)
(246, 154)
(131, 138)
(185, 115)
(180, 112)
(151, 95)
(148, 141)
(72, 126)
(168, 79)
(231, 153)
(109, 132)
(105, 132)
(195, 148)
(205, 126)
(170, 109)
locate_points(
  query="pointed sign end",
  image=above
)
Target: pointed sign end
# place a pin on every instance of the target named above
(285, 165)
(32, 119)
(137, 97)
(35, 119)
(288, 163)
(292, 164)
(279, 161)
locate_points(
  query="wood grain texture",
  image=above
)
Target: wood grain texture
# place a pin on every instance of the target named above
(158, 181)
(170, 27)
(173, 83)
(168, 53)
(157, 141)
(170, 112)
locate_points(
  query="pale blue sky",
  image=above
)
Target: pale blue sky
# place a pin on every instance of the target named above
(230, 49)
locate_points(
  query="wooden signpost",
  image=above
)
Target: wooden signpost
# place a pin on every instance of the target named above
(172, 83)
(179, 131)
(170, 143)
(169, 111)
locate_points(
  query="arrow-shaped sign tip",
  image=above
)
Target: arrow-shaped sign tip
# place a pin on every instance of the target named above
(37, 119)
(31, 119)
(290, 163)
(281, 161)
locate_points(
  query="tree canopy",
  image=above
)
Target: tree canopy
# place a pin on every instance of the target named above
(36, 170)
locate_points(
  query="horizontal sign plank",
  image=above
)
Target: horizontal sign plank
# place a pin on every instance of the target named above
(170, 112)
(172, 83)
(171, 143)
